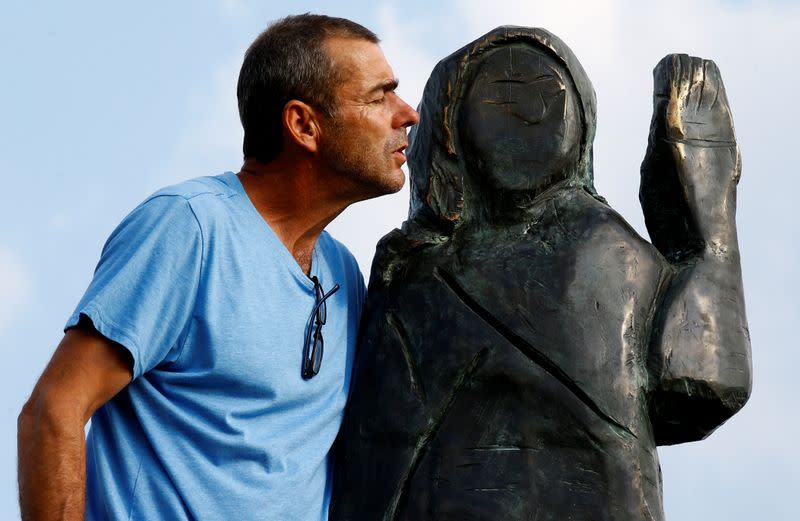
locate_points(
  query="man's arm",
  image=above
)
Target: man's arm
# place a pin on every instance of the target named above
(700, 349)
(85, 372)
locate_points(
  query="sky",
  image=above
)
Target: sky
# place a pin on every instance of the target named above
(102, 103)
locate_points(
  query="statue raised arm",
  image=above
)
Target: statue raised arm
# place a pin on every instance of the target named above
(700, 351)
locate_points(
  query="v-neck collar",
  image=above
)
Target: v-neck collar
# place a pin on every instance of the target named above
(232, 180)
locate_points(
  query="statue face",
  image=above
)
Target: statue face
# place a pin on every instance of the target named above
(520, 122)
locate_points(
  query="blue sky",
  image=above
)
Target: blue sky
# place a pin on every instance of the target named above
(102, 103)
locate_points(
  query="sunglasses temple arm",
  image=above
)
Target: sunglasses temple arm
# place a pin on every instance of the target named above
(333, 290)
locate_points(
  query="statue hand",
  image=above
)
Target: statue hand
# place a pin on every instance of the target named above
(697, 109)
(692, 163)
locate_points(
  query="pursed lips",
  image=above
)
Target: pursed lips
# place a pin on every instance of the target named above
(401, 152)
(399, 146)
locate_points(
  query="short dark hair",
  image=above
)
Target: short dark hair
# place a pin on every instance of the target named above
(288, 61)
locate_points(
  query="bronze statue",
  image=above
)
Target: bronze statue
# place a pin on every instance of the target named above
(523, 350)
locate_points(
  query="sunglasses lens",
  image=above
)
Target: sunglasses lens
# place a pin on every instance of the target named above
(316, 354)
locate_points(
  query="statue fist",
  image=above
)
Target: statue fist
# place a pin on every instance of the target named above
(694, 102)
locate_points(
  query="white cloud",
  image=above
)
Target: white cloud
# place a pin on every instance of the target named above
(15, 287)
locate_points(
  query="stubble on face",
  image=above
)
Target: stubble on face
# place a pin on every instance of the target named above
(368, 164)
(362, 139)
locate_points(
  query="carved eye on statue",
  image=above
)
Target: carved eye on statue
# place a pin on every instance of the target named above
(529, 101)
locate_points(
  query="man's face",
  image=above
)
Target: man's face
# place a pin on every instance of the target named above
(366, 138)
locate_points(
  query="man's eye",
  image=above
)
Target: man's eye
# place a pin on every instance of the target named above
(380, 100)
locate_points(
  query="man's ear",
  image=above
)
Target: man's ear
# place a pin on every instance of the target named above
(301, 125)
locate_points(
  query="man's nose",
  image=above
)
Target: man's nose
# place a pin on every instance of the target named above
(406, 116)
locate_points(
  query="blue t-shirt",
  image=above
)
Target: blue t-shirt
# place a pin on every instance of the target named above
(218, 423)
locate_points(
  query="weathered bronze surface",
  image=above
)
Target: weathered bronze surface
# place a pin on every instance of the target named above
(523, 350)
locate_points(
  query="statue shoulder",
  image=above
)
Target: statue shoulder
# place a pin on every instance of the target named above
(599, 217)
(397, 250)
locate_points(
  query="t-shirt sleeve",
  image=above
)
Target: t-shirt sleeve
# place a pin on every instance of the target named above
(144, 288)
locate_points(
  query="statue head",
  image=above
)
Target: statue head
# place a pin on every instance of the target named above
(512, 112)
(519, 122)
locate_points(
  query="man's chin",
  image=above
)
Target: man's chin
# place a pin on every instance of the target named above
(369, 186)
(396, 182)
(386, 184)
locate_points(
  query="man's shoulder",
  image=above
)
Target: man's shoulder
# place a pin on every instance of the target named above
(204, 197)
(176, 210)
(199, 187)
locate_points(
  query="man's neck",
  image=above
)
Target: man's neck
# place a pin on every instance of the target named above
(296, 199)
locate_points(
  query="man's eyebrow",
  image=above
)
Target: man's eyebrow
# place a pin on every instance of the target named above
(385, 86)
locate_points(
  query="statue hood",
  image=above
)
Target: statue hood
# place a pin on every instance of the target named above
(435, 156)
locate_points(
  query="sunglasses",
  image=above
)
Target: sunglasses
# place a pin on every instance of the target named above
(313, 346)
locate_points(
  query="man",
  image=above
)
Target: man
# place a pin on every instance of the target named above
(199, 350)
